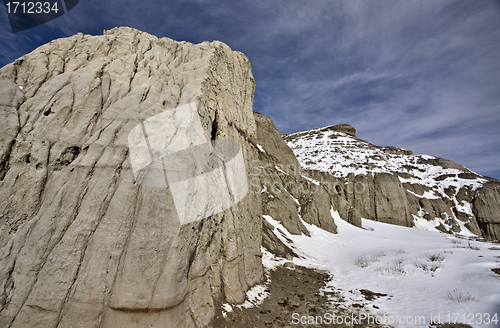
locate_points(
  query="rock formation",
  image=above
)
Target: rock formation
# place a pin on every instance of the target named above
(82, 243)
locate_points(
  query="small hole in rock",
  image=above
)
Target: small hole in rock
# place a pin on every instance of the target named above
(339, 189)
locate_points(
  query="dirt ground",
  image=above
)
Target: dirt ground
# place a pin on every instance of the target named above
(292, 290)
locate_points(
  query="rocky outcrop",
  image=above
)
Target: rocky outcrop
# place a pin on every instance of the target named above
(486, 206)
(344, 128)
(83, 242)
(396, 151)
(112, 217)
(289, 195)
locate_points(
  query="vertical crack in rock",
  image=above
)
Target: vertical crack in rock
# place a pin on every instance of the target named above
(4, 160)
(102, 211)
(47, 253)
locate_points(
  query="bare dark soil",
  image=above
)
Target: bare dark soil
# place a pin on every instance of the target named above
(295, 294)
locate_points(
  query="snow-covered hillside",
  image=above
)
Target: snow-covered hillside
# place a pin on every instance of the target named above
(411, 277)
(341, 154)
(440, 193)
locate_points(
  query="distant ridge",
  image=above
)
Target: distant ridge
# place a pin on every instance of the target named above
(398, 187)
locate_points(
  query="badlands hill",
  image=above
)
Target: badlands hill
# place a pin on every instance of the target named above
(134, 178)
(392, 185)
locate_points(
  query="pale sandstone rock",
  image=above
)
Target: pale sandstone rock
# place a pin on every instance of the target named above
(82, 244)
(84, 240)
(289, 194)
(485, 206)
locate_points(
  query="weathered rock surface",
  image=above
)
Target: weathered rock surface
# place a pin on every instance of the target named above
(485, 207)
(345, 128)
(84, 242)
(289, 195)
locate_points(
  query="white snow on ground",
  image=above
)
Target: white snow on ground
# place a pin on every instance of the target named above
(255, 296)
(425, 274)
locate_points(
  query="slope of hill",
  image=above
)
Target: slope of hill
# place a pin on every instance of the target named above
(392, 185)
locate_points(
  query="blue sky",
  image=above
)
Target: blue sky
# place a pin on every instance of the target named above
(418, 74)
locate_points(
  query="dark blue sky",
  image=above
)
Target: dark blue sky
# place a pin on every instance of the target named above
(422, 75)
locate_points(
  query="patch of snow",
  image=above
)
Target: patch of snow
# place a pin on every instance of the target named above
(423, 224)
(311, 180)
(270, 261)
(258, 293)
(227, 307)
(427, 194)
(427, 157)
(255, 296)
(341, 155)
(295, 200)
(279, 169)
(260, 148)
(464, 207)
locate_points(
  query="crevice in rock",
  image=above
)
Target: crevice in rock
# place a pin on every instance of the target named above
(148, 310)
(9, 285)
(109, 294)
(144, 95)
(213, 133)
(4, 161)
(66, 157)
(51, 247)
(243, 134)
(49, 104)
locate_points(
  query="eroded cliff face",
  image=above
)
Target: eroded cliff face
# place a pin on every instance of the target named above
(83, 244)
(288, 194)
(118, 207)
(392, 185)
